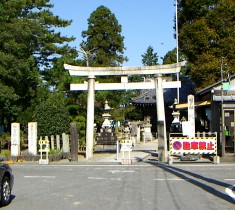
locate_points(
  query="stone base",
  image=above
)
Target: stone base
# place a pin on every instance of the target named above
(170, 160)
(105, 148)
(216, 160)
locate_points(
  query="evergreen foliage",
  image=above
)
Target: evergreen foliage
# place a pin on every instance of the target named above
(206, 34)
(103, 39)
(103, 45)
(52, 116)
(29, 45)
(150, 58)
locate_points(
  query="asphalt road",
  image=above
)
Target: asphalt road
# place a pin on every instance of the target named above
(146, 186)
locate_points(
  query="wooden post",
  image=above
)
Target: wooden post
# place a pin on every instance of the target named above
(74, 142)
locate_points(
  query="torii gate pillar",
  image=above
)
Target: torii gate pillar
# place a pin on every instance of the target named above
(161, 123)
(90, 117)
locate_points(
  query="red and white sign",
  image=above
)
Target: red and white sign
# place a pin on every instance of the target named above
(197, 145)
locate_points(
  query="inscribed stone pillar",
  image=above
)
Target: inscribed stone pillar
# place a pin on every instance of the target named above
(65, 139)
(32, 138)
(74, 141)
(15, 139)
(58, 142)
(52, 142)
(191, 116)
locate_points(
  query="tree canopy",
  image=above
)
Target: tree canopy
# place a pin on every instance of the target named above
(28, 45)
(150, 58)
(52, 116)
(103, 39)
(206, 34)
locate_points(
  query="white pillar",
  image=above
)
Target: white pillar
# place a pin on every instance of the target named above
(65, 142)
(32, 138)
(58, 142)
(90, 117)
(52, 142)
(15, 139)
(161, 125)
(138, 134)
(191, 116)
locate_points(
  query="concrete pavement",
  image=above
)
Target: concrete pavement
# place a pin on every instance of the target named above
(139, 152)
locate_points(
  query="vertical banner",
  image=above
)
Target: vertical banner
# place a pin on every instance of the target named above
(15, 139)
(32, 138)
(191, 116)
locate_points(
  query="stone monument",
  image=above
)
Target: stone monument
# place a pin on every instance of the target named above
(146, 134)
(106, 135)
(32, 138)
(15, 139)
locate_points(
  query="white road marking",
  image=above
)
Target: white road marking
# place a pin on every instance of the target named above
(229, 179)
(103, 178)
(229, 191)
(121, 171)
(46, 177)
(175, 179)
(99, 178)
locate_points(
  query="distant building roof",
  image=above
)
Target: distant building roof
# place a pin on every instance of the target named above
(209, 88)
(148, 97)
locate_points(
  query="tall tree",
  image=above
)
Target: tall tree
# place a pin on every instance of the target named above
(150, 58)
(28, 45)
(103, 39)
(206, 34)
(105, 47)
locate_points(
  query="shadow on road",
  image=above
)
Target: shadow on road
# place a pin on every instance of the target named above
(182, 174)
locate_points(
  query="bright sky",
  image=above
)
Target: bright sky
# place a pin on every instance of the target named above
(144, 23)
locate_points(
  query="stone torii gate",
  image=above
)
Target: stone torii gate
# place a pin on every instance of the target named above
(158, 85)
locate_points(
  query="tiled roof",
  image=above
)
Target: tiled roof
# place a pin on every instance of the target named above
(148, 97)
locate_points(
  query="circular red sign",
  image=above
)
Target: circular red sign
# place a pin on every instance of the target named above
(177, 145)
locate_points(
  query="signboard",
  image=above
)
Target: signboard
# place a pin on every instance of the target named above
(126, 145)
(44, 145)
(198, 145)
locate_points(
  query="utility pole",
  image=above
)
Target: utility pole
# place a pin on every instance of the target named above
(177, 45)
(222, 109)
